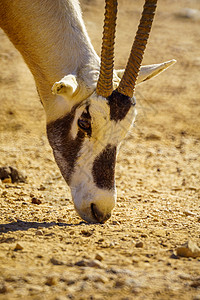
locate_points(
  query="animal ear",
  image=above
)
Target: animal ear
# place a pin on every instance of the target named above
(149, 71)
(67, 86)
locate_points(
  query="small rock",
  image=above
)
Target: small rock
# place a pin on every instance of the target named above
(119, 283)
(7, 180)
(95, 264)
(39, 232)
(51, 281)
(144, 235)
(174, 256)
(5, 172)
(189, 249)
(18, 247)
(160, 232)
(36, 201)
(139, 245)
(155, 220)
(11, 175)
(90, 263)
(34, 289)
(72, 232)
(42, 188)
(189, 13)
(135, 260)
(99, 256)
(3, 289)
(192, 188)
(56, 262)
(153, 137)
(86, 233)
(185, 276)
(96, 278)
(17, 176)
(195, 284)
(115, 222)
(189, 213)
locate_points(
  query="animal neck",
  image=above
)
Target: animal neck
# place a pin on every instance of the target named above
(52, 39)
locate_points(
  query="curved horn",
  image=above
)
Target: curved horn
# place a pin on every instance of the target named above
(105, 81)
(127, 84)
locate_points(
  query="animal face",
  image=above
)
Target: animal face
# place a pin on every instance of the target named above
(87, 134)
(85, 143)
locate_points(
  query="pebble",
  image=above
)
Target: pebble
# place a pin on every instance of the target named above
(160, 232)
(3, 289)
(195, 284)
(96, 278)
(153, 137)
(56, 262)
(139, 244)
(86, 233)
(119, 283)
(115, 222)
(42, 188)
(18, 247)
(39, 232)
(189, 13)
(36, 201)
(7, 180)
(135, 260)
(99, 256)
(11, 175)
(144, 235)
(51, 281)
(90, 263)
(189, 249)
(185, 276)
(35, 289)
(189, 213)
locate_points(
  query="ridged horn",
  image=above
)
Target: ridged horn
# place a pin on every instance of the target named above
(127, 84)
(105, 81)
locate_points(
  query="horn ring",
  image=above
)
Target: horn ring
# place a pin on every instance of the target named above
(105, 81)
(127, 84)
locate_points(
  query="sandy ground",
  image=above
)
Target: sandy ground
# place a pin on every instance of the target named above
(134, 254)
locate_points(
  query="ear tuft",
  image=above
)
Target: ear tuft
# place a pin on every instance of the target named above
(66, 86)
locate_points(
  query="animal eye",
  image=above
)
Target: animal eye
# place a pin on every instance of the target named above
(84, 124)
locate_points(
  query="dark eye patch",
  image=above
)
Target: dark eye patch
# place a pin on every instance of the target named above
(84, 122)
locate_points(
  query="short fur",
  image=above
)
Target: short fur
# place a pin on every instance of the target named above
(52, 38)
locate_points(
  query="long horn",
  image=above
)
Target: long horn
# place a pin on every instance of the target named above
(127, 84)
(105, 81)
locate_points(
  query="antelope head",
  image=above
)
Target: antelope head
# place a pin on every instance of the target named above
(86, 140)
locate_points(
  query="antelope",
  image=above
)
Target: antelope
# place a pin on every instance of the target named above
(89, 106)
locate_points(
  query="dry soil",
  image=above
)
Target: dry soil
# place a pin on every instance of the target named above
(46, 251)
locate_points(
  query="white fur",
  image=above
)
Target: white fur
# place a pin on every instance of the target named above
(104, 132)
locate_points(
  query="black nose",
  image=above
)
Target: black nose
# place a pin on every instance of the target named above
(98, 215)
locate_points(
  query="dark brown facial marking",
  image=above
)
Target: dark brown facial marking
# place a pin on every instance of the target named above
(84, 122)
(104, 168)
(64, 147)
(119, 105)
